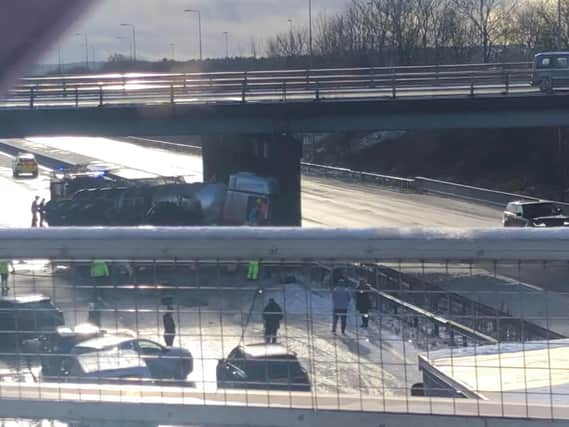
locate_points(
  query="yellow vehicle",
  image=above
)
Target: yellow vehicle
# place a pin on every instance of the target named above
(25, 164)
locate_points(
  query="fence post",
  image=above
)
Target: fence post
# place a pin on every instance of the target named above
(171, 93)
(472, 85)
(284, 91)
(372, 78)
(185, 78)
(507, 84)
(317, 92)
(64, 89)
(243, 90)
(76, 97)
(32, 95)
(100, 96)
(393, 84)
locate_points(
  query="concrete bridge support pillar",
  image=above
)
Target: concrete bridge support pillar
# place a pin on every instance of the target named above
(276, 156)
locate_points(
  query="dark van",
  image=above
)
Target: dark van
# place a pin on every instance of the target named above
(550, 70)
(28, 317)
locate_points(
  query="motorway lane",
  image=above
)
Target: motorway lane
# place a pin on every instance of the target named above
(333, 203)
(325, 202)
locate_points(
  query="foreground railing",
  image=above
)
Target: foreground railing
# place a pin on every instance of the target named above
(456, 322)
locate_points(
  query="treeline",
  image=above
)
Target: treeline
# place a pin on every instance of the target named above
(409, 32)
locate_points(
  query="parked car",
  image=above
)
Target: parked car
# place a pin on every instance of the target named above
(161, 362)
(262, 366)
(534, 214)
(25, 164)
(28, 317)
(550, 70)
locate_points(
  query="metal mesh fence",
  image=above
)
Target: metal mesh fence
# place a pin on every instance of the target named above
(448, 337)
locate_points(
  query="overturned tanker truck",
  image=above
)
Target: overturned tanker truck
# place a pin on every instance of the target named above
(89, 196)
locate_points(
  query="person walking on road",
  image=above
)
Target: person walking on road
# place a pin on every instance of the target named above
(340, 300)
(41, 212)
(5, 267)
(272, 316)
(35, 210)
(363, 303)
(169, 327)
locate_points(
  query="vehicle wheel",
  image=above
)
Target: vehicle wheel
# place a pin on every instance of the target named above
(546, 85)
(15, 174)
(35, 175)
(418, 389)
(180, 372)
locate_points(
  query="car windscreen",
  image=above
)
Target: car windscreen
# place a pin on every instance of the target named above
(539, 209)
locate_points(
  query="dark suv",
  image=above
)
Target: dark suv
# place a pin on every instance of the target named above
(262, 366)
(534, 214)
(29, 317)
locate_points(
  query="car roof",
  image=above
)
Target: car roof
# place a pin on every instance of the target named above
(551, 53)
(106, 341)
(529, 202)
(25, 299)
(26, 156)
(266, 350)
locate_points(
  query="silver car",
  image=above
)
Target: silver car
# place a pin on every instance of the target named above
(162, 362)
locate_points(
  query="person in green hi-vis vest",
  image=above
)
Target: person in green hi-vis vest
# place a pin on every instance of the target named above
(99, 274)
(5, 267)
(253, 272)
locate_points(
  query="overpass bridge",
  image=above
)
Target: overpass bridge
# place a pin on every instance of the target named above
(287, 101)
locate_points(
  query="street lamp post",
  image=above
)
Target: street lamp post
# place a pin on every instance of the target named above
(59, 60)
(199, 27)
(226, 34)
(133, 41)
(86, 48)
(558, 24)
(310, 30)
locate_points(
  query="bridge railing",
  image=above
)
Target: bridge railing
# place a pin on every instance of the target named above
(392, 82)
(439, 322)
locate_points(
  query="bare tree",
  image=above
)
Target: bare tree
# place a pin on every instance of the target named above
(486, 18)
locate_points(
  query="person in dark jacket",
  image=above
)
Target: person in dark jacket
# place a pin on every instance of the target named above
(340, 300)
(41, 212)
(272, 316)
(363, 303)
(169, 327)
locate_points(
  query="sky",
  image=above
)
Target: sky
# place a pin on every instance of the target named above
(163, 29)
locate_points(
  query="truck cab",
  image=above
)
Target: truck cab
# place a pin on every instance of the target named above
(249, 200)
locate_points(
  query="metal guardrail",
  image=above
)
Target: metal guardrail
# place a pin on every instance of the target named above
(278, 85)
(276, 244)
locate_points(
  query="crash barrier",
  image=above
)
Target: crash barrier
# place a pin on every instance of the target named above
(476, 194)
(424, 185)
(278, 85)
(459, 322)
